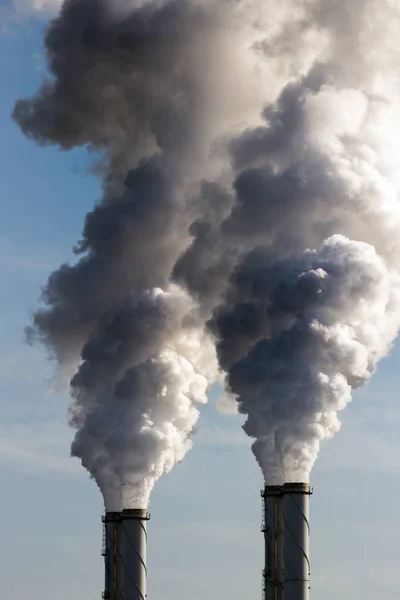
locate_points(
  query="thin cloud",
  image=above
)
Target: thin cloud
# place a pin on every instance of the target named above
(42, 447)
(48, 6)
(16, 257)
(211, 435)
(358, 448)
(16, 12)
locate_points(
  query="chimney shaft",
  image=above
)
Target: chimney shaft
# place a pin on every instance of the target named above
(296, 541)
(273, 536)
(112, 552)
(134, 541)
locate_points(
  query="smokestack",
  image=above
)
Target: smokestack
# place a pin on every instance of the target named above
(134, 541)
(273, 536)
(112, 552)
(296, 540)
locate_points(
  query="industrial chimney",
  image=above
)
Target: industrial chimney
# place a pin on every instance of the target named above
(112, 552)
(296, 498)
(273, 538)
(124, 551)
(134, 542)
(286, 574)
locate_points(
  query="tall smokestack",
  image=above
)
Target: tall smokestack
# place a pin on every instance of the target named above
(273, 536)
(296, 540)
(112, 552)
(134, 542)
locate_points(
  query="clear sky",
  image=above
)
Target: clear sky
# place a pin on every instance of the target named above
(204, 536)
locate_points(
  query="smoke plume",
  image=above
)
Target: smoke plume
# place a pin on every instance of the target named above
(248, 152)
(299, 274)
(123, 82)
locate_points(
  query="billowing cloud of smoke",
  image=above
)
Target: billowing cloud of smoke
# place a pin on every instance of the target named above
(123, 83)
(299, 271)
(135, 395)
(285, 254)
(296, 335)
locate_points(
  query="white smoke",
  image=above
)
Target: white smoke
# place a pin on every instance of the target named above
(135, 395)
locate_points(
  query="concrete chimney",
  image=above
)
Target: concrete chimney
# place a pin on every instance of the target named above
(112, 552)
(296, 540)
(134, 541)
(273, 537)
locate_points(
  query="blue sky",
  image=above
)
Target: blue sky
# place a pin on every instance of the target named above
(204, 536)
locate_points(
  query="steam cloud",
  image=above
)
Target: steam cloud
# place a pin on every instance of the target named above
(250, 203)
(299, 274)
(123, 83)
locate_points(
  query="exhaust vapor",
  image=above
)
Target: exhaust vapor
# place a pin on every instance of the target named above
(123, 84)
(300, 276)
(249, 222)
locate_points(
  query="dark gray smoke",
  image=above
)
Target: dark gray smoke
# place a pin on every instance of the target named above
(122, 81)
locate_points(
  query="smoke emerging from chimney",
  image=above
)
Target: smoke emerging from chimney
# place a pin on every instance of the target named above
(123, 83)
(300, 275)
(249, 222)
